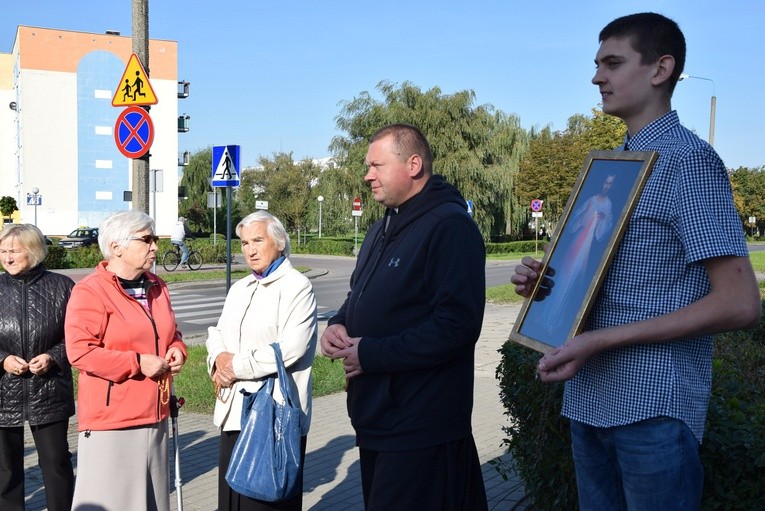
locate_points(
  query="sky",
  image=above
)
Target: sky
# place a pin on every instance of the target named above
(272, 76)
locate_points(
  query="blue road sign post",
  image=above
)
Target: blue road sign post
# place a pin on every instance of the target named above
(225, 173)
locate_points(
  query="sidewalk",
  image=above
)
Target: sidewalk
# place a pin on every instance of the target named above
(332, 479)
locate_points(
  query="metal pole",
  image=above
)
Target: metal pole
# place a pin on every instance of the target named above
(320, 199)
(141, 49)
(175, 405)
(228, 238)
(712, 113)
(35, 191)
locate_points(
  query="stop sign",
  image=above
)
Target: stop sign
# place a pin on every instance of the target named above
(356, 204)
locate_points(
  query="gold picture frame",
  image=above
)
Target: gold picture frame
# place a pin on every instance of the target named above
(582, 247)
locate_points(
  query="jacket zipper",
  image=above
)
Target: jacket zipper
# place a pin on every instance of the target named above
(24, 355)
(156, 344)
(372, 270)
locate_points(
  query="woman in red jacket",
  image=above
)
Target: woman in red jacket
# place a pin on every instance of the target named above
(121, 335)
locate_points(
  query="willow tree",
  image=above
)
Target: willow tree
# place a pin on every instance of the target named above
(195, 181)
(477, 148)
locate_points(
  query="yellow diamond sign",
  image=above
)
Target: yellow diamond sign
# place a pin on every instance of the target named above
(134, 87)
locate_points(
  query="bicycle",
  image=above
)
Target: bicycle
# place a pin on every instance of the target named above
(172, 258)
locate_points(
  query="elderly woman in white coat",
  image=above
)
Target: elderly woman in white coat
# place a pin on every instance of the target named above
(274, 304)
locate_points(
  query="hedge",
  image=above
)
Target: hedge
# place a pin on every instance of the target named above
(732, 453)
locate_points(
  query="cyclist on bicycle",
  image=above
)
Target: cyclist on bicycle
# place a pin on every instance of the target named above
(180, 232)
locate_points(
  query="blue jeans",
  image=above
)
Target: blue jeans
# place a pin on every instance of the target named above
(645, 466)
(184, 250)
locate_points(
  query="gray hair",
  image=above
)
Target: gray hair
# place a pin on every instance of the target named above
(119, 227)
(30, 237)
(274, 227)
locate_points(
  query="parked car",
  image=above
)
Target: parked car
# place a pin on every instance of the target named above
(80, 237)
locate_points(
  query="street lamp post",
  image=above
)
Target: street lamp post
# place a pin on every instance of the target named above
(320, 198)
(712, 108)
(35, 191)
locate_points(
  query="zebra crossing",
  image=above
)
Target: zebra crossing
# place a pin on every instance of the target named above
(198, 307)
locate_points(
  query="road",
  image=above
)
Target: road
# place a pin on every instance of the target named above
(197, 305)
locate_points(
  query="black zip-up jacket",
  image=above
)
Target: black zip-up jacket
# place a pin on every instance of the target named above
(417, 300)
(32, 323)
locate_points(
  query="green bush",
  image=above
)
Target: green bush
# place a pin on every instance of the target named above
(514, 246)
(215, 252)
(56, 258)
(325, 246)
(733, 451)
(538, 437)
(84, 257)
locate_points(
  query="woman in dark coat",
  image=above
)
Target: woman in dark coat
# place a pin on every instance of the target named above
(36, 381)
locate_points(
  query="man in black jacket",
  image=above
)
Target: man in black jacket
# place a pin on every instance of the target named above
(407, 334)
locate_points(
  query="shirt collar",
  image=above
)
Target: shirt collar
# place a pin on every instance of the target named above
(651, 131)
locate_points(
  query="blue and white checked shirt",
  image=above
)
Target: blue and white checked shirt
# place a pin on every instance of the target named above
(684, 216)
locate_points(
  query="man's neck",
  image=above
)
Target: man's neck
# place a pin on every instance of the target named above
(646, 117)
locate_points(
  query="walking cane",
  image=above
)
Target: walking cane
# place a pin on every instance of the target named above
(175, 405)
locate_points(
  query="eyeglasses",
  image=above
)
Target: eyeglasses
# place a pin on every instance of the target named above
(148, 239)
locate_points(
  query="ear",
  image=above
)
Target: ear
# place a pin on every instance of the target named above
(665, 66)
(116, 249)
(415, 165)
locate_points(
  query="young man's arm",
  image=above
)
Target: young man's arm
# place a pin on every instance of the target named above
(732, 304)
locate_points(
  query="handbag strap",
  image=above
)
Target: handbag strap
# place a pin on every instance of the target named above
(281, 372)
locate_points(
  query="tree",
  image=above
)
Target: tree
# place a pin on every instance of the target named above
(339, 186)
(286, 185)
(195, 179)
(477, 148)
(8, 206)
(554, 160)
(749, 195)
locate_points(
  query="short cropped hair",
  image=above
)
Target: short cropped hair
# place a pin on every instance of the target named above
(119, 227)
(274, 227)
(408, 141)
(30, 237)
(652, 36)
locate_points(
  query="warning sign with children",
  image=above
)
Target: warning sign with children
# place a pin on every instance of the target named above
(134, 88)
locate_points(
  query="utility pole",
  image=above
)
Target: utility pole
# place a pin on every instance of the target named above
(141, 49)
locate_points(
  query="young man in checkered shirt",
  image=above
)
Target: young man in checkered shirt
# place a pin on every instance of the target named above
(638, 378)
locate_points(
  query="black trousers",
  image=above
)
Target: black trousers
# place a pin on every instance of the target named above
(229, 500)
(444, 477)
(55, 462)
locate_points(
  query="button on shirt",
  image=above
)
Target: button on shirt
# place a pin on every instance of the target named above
(684, 216)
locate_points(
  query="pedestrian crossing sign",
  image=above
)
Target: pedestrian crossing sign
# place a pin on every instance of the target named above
(134, 88)
(225, 165)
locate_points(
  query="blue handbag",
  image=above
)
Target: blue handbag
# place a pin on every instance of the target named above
(265, 462)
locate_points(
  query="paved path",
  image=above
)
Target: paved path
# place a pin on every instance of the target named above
(332, 479)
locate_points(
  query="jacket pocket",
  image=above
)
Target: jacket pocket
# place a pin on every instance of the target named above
(109, 393)
(370, 402)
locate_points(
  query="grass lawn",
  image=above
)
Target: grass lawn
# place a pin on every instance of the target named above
(196, 388)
